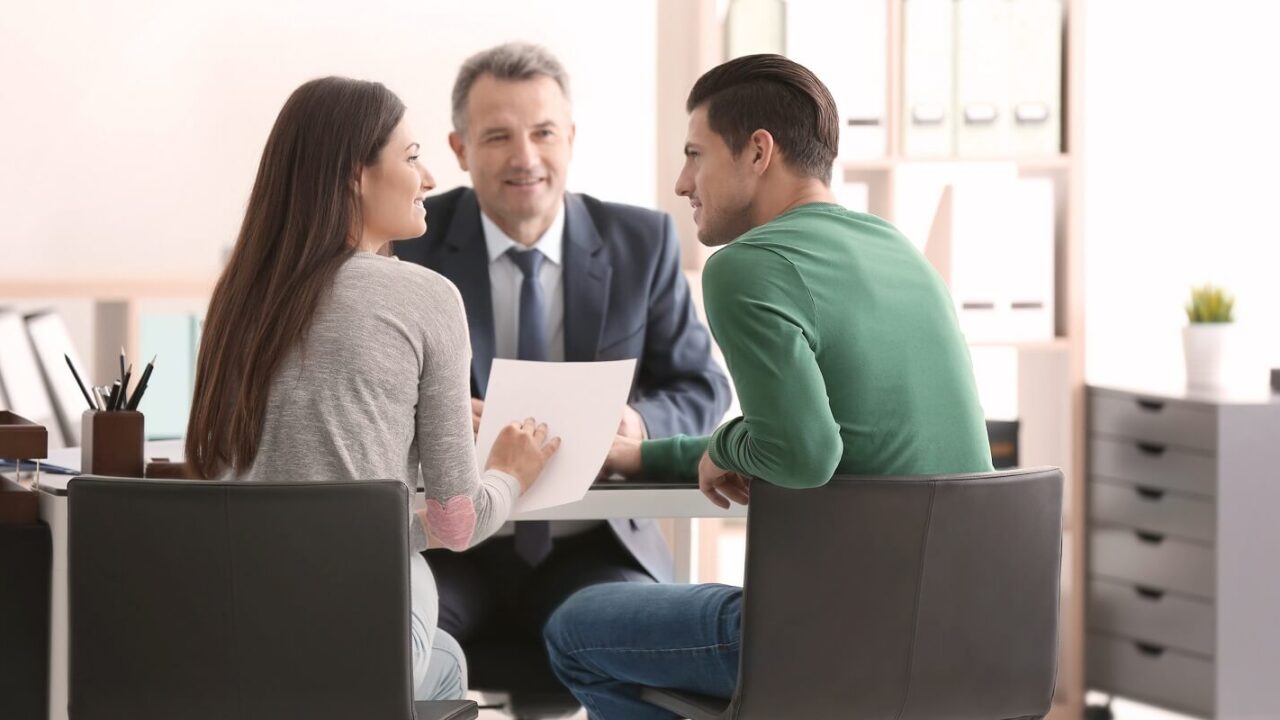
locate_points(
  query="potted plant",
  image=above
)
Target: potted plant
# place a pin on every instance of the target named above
(1206, 338)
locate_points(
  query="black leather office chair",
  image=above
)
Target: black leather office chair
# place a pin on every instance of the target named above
(909, 598)
(520, 671)
(217, 600)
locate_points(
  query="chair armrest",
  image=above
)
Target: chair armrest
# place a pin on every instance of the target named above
(686, 704)
(446, 710)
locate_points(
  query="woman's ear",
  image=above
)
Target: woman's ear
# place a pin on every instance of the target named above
(357, 181)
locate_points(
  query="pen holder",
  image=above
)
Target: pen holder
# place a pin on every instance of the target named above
(111, 443)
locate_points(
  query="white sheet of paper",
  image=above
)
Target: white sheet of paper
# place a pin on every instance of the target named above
(581, 403)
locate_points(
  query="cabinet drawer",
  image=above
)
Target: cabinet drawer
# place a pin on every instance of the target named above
(1154, 561)
(1150, 673)
(1153, 464)
(1152, 509)
(1162, 422)
(1152, 616)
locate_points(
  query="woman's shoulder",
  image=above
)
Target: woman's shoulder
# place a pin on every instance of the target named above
(399, 296)
(379, 277)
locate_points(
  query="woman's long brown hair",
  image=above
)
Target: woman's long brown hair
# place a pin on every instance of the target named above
(298, 230)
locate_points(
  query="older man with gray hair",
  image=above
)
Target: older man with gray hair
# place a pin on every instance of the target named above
(556, 276)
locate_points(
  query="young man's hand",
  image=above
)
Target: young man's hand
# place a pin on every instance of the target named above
(722, 486)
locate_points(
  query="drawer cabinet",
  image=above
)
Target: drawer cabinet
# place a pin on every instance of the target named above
(1184, 551)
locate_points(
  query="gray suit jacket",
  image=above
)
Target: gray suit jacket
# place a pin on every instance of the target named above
(624, 298)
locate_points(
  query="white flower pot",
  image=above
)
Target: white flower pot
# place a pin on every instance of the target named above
(1207, 348)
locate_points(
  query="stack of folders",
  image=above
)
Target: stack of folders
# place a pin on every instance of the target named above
(1002, 264)
(982, 78)
(33, 376)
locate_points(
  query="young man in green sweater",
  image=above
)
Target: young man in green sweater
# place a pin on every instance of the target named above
(843, 346)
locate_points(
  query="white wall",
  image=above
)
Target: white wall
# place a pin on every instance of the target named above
(130, 131)
(1182, 155)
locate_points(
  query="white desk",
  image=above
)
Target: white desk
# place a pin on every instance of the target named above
(606, 501)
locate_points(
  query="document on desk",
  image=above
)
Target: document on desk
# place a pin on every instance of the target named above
(581, 403)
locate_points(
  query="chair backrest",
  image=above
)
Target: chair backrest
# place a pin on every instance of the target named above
(238, 599)
(907, 598)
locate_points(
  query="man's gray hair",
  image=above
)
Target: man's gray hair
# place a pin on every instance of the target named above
(509, 61)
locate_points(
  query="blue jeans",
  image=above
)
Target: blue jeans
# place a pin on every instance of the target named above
(607, 641)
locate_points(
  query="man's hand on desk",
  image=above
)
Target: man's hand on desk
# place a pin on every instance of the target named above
(722, 486)
(623, 458)
(632, 425)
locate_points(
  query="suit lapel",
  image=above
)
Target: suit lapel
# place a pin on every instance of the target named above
(466, 264)
(586, 283)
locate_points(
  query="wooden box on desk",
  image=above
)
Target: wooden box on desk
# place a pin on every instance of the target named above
(20, 439)
(111, 443)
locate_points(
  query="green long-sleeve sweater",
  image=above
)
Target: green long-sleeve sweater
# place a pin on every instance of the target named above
(845, 352)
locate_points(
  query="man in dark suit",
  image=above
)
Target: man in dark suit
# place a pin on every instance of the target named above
(550, 275)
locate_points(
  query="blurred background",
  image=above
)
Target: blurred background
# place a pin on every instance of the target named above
(1073, 169)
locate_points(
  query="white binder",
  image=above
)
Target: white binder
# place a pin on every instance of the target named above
(21, 386)
(844, 45)
(927, 94)
(1002, 266)
(983, 65)
(1035, 81)
(50, 340)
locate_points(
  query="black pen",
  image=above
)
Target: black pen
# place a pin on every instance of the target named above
(142, 385)
(121, 363)
(113, 397)
(87, 397)
(124, 388)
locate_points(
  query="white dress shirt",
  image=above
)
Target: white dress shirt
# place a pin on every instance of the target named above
(505, 279)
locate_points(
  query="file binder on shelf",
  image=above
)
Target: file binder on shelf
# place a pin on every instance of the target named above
(844, 44)
(22, 388)
(1035, 81)
(50, 341)
(927, 93)
(993, 243)
(983, 65)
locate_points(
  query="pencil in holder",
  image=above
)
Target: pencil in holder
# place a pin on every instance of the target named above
(111, 443)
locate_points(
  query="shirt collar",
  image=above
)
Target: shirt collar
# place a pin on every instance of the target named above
(550, 244)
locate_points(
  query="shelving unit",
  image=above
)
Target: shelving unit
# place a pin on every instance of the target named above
(117, 305)
(690, 43)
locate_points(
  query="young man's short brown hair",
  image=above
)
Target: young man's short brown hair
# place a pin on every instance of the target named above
(770, 92)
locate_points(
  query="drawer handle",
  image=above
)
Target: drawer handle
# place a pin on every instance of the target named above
(1150, 405)
(1149, 537)
(1147, 493)
(1152, 449)
(1148, 649)
(1148, 593)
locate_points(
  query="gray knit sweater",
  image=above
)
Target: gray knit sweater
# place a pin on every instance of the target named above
(380, 389)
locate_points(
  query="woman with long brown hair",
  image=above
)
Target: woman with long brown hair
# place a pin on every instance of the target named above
(323, 360)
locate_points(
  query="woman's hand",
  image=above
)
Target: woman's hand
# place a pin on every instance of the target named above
(522, 451)
(722, 486)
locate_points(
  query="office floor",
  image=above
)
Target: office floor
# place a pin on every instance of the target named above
(733, 545)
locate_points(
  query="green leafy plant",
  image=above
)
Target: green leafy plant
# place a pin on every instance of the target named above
(1210, 304)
